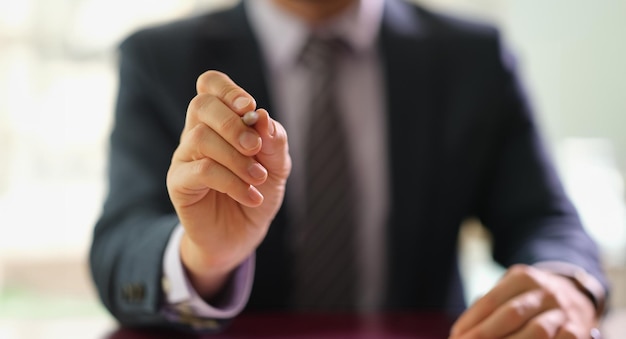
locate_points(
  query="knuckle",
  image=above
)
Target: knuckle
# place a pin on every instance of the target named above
(568, 331)
(519, 270)
(230, 123)
(196, 135)
(569, 335)
(230, 91)
(219, 84)
(233, 156)
(178, 154)
(490, 301)
(207, 167)
(212, 74)
(525, 274)
(515, 311)
(550, 297)
(230, 183)
(204, 166)
(171, 177)
(208, 77)
(195, 105)
(199, 103)
(539, 330)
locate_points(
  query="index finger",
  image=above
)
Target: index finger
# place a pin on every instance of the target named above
(223, 87)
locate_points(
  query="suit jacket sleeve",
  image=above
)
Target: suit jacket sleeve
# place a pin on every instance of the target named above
(524, 204)
(131, 235)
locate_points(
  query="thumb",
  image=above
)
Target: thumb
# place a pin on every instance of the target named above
(274, 153)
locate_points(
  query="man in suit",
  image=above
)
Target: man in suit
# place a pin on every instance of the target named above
(200, 225)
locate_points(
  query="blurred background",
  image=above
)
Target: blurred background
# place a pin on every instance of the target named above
(58, 81)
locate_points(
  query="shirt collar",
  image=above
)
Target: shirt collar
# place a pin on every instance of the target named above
(282, 35)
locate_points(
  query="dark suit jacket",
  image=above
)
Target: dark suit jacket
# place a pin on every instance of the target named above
(462, 142)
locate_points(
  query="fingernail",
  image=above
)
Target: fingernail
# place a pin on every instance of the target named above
(271, 128)
(241, 103)
(254, 194)
(249, 140)
(257, 171)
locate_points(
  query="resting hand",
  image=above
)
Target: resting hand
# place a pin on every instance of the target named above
(529, 303)
(226, 180)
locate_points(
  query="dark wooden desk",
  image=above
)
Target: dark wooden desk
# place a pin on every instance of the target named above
(309, 326)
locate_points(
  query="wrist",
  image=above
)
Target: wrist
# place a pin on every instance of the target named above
(206, 273)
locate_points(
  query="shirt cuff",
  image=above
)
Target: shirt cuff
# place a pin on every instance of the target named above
(585, 282)
(181, 297)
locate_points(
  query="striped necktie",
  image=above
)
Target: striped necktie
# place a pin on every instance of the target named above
(325, 264)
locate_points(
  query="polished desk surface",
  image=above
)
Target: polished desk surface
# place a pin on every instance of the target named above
(300, 326)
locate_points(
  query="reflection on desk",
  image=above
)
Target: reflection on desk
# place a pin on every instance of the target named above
(303, 325)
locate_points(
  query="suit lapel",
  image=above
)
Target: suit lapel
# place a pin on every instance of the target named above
(412, 67)
(414, 96)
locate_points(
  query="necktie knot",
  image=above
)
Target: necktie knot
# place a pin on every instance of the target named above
(321, 52)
